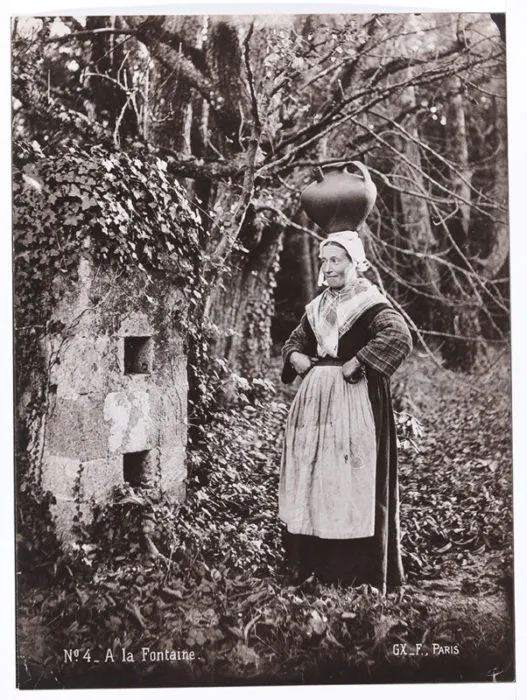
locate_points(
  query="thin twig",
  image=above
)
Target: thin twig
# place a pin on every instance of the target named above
(473, 339)
(254, 102)
(288, 221)
(86, 33)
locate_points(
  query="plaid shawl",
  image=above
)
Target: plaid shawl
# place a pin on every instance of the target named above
(332, 313)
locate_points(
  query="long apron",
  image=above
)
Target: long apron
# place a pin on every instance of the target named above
(328, 469)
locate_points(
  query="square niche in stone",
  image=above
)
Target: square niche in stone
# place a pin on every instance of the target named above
(137, 468)
(138, 352)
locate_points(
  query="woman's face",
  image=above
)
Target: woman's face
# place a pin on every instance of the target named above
(337, 267)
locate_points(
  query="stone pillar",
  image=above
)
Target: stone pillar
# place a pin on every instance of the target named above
(118, 393)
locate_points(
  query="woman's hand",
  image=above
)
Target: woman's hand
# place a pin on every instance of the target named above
(352, 370)
(301, 363)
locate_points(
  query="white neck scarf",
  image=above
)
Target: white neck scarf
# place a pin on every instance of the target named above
(332, 313)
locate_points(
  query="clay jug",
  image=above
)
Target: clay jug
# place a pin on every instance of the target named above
(340, 200)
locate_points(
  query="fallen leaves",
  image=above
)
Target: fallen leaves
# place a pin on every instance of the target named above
(456, 495)
(219, 588)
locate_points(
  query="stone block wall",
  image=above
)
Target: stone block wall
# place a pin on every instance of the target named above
(118, 392)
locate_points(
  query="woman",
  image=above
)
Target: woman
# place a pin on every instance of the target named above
(338, 484)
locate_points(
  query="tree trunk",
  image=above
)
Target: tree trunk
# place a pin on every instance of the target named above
(465, 321)
(415, 231)
(110, 100)
(243, 307)
(494, 263)
(212, 115)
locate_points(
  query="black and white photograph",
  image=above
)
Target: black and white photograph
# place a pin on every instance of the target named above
(262, 349)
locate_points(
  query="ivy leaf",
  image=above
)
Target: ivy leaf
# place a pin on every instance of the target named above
(72, 220)
(196, 637)
(32, 182)
(87, 202)
(247, 655)
(37, 148)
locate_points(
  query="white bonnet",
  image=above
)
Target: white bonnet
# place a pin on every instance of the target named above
(352, 244)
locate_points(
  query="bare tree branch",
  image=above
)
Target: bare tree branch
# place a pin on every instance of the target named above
(220, 169)
(437, 73)
(425, 175)
(288, 222)
(326, 125)
(442, 159)
(86, 33)
(254, 103)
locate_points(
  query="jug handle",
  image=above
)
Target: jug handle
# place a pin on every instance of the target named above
(343, 165)
(364, 170)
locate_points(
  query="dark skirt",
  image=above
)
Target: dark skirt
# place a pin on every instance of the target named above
(375, 560)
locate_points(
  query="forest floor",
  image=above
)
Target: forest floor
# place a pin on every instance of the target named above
(213, 581)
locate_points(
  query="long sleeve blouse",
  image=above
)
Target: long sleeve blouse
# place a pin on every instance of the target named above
(389, 342)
